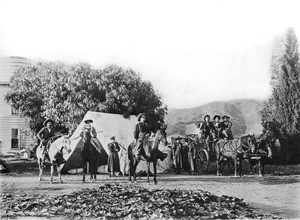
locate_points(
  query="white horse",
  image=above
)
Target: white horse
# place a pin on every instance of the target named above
(56, 150)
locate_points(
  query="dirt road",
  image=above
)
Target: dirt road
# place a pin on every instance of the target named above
(276, 195)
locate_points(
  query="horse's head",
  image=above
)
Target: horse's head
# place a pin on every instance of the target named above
(161, 136)
(248, 143)
(66, 143)
(277, 143)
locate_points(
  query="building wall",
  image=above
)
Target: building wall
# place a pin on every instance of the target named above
(8, 120)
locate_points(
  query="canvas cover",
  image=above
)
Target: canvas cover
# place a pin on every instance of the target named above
(108, 125)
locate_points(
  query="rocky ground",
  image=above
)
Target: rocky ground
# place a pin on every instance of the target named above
(275, 195)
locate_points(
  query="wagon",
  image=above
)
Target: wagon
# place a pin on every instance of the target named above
(205, 157)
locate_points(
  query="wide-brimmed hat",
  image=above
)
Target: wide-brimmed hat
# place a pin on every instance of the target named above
(217, 116)
(225, 116)
(48, 120)
(141, 115)
(88, 121)
(64, 131)
(206, 116)
(113, 138)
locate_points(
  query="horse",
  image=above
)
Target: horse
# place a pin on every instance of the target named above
(57, 147)
(235, 150)
(263, 151)
(151, 149)
(89, 154)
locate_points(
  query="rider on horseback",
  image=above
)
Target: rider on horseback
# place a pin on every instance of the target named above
(141, 130)
(45, 134)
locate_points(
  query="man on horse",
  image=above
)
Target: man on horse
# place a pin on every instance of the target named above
(226, 125)
(140, 133)
(45, 134)
(206, 131)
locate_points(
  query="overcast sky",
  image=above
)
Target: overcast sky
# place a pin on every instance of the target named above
(193, 52)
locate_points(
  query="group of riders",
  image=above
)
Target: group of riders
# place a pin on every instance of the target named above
(142, 131)
(210, 131)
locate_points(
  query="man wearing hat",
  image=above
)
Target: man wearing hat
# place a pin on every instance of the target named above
(206, 131)
(88, 126)
(46, 133)
(140, 132)
(226, 125)
(113, 158)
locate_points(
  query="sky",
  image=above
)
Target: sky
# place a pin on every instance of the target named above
(193, 52)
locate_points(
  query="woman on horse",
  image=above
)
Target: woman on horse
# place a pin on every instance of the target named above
(140, 132)
(113, 158)
(45, 134)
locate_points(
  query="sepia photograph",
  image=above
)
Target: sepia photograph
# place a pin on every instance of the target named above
(136, 109)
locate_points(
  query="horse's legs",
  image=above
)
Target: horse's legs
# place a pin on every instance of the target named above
(235, 166)
(84, 170)
(148, 172)
(136, 162)
(130, 170)
(241, 166)
(52, 172)
(219, 161)
(41, 166)
(154, 171)
(259, 167)
(58, 167)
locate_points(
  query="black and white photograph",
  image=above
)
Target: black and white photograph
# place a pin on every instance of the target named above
(136, 109)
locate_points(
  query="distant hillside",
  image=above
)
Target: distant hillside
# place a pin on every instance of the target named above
(244, 115)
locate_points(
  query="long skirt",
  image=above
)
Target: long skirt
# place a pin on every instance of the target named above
(113, 162)
(191, 161)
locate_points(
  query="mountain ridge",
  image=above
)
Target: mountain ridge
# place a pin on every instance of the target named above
(244, 113)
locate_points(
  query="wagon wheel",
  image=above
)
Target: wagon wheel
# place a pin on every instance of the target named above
(202, 161)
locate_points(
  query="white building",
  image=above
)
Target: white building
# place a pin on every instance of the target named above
(11, 137)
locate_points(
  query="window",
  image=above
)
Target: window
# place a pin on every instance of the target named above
(14, 138)
(14, 111)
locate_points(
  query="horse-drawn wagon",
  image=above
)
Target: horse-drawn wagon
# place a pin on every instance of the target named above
(206, 157)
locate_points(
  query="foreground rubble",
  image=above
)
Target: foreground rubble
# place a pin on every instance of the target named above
(127, 202)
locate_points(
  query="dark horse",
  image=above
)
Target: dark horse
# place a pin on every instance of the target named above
(234, 150)
(261, 153)
(151, 149)
(89, 154)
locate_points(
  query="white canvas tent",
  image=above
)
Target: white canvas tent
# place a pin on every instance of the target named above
(108, 125)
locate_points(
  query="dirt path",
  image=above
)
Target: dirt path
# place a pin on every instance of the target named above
(276, 195)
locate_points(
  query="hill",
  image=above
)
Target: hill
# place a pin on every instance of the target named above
(244, 115)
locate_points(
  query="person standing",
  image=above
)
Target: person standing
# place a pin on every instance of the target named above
(113, 158)
(45, 134)
(191, 154)
(177, 155)
(140, 132)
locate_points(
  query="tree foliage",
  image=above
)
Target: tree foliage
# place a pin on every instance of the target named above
(283, 107)
(66, 92)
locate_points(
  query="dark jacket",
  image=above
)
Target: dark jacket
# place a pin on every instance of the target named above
(141, 129)
(207, 128)
(45, 134)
